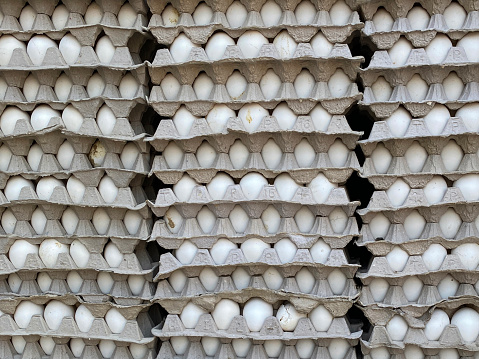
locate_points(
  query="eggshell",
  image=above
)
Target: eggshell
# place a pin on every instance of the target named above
(209, 279)
(418, 18)
(382, 20)
(271, 219)
(304, 219)
(93, 14)
(305, 280)
(253, 249)
(138, 351)
(30, 88)
(191, 314)
(414, 225)
(238, 154)
(288, 317)
(448, 354)
(434, 256)
(251, 115)
(70, 48)
(379, 288)
(184, 187)
(304, 154)
(132, 221)
(116, 322)
(186, 252)
(69, 221)
(14, 186)
(177, 280)
(46, 186)
(236, 85)
(468, 253)
(412, 288)
(339, 83)
(338, 153)
(321, 188)
(127, 16)
(105, 50)
(202, 14)
(183, 120)
(272, 278)
(74, 281)
(113, 256)
(8, 221)
(107, 347)
(436, 119)
(340, 13)
(286, 250)
(273, 348)
(255, 311)
(239, 219)
(179, 344)
(95, 85)
(241, 347)
(413, 352)
(397, 328)
(76, 346)
(250, 43)
(321, 118)
(304, 84)
(54, 313)
(381, 158)
(270, 84)
(107, 189)
(252, 184)
(321, 318)
(218, 186)
(435, 326)
(416, 157)
(453, 86)
(320, 251)
(438, 48)
(6, 156)
(72, 118)
(79, 253)
(7, 45)
(447, 287)
(19, 344)
(285, 116)
(10, 116)
(417, 88)
(203, 86)
(83, 318)
(270, 14)
(106, 120)
(338, 220)
(241, 278)
(128, 86)
(338, 348)
(47, 345)
(173, 220)
(181, 47)
(468, 185)
(399, 52)
(337, 281)
(454, 15)
(382, 90)
(170, 16)
(105, 282)
(136, 284)
(305, 348)
(305, 13)
(173, 155)
(218, 117)
(216, 46)
(60, 17)
(65, 155)
(450, 222)
(272, 154)
(379, 353)
(397, 259)
(14, 282)
(469, 44)
(25, 311)
(398, 192)
(34, 157)
(41, 117)
(210, 345)
(452, 156)
(286, 186)
(285, 44)
(236, 14)
(49, 251)
(224, 313)
(221, 249)
(27, 18)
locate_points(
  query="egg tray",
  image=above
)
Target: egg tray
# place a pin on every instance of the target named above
(33, 349)
(136, 259)
(400, 353)
(191, 230)
(257, 351)
(199, 34)
(268, 128)
(401, 96)
(271, 330)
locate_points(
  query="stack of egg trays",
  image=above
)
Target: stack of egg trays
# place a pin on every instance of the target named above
(417, 313)
(127, 129)
(253, 70)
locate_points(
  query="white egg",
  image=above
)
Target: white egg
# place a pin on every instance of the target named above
(272, 348)
(321, 118)
(305, 280)
(253, 249)
(285, 44)
(251, 115)
(286, 250)
(338, 153)
(184, 187)
(74, 281)
(466, 320)
(400, 51)
(180, 48)
(255, 311)
(304, 219)
(418, 18)
(468, 43)
(414, 225)
(340, 13)
(183, 120)
(416, 157)
(177, 280)
(271, 14)
(438, 48)
(128, 86)
(49, 251)
(397, 328)
(27, 18)
(339, 84)
(224, 313)
(179, 344)
(107, 347)
(173, 220)
(84, 318)
(436, 324)
(381, 158)
(105, 50)
(435, 189)
(270, 84)
(14, 186)
(272, 278)
(450, 222)
(216, 46)
(412, 288)
(447, 287)
(209, 279)
(105, 282)
(65, 155)
(271, 219)
(210, 345)
(95, 85)
(14, 282)
(127, 15)
(241, 278)
(203, 86)
(452, 155)
(42, 115)
(272, 154)
(60, 17)
(132, 221)
(202, 14)
(70, 48)
(136, 284)
(399, 122)
(382, 90)
(113, 256)
(93, 14)
(72, 118)
(108, 190)
(453, 86)
(304, 83)
(337, 281)
(218, 186)
(79, 253)
(321, 188)
(6, 156)
(54, 313)
(468, 115)
(468, 185)
(286, 186)
(239, 154)
(236, 14)
(8, 221)
(25, 311)
(448, 354)
(285, 116)
(170, 16)
(305, 348)
(382, 20)
(34, 157)
(305, 13)
(321, 318)
(239, 219)
(241, 347)
(250, 43)
(69, 221)
(252, 184)
(129, 155)
(138, 351)
(288, 317)
(19, 344)
(173, 155)
(9, 118)
(191, 314)
(47, 345)
(413, 352)
(379, 288)
(338, 220)
(320, 251)
(397, 259)
(436, 119)
(7, 45)
(30, 88)
(218, 117)
(115, 320)
(338, 348)
(76, 346)
(398, 192)
(236, 85)
(434, 256)
(221, 249)
(170, 87)
(417, 88)
(304, 153)
(379, 353)
(455, 16)
(186, 252)
(468, 253)
(46, 186)
(106, 120)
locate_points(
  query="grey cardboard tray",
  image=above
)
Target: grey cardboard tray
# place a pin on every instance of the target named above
(400, 353)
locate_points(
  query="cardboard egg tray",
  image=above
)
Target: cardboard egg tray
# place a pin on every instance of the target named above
(226, 350)
(62, 348)
(401, 354)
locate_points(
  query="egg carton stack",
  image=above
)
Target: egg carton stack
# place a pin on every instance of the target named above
(420, 291)
(252, 150)
(75, 274)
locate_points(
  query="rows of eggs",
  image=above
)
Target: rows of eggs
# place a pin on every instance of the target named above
(66, 153)
(271, 13)
(243, 348)
(126, 17)
(415, 352)
(69, 220)
(76, 347)
(271, 153)
(69, 47)
(270, 85)
(304, 219)
(126, 89)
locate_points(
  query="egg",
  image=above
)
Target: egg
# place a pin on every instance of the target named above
(253, 249)
(379, 288)
(221, 249)
(14, 282)
(270, 14)
(74, 281)
(321, 118)
(438, 48)
(8, 44)
(255, 311)
(79, 253)
(49, 251)
(273, 348)
(448, 354)
(10, 116)
(305, 13)
(416, 157)
(455, 16)
(106, 120)
(203, 86)
(190, 315)
(270, 84)
(132, 221)
(236, 85)
(271, 219)
(218, 117)
(70, 48)
(108, 190)
(93, 14)
(397, 328)
(72, 118)
(379, 353)
(252, 184)
(209, 279)
(181, 47)
(8, 221)
(138, 351)
(107, 348)
(251, 42)
(60, 17)
(398, 192)
(321, 45)
(136, 284)
(46, 186)
(179, 344)
(115, 320)
(436, 119)
(381, 158)
(95, 85)
(468, 253)
(337, 281)
(105, 50)
(285, 116)
(241, 347)
(418, 18)
(338, 348)
(413, 352)
(177, 280)
(69, 221)
(447, 287)
(304, 83)
(170, 16)
(382, 20)
(30, 88)
(304, 219)
(54, 313)
(241, 278)
(14, 187)
(173, 155)
(338, 220)
(435, 189)
(173, 220)
(83, 318)
(105, 282)
(339, 84)
(272, 154)
(417, 88)
(47, 345)
(468, 185)
(34, 157)
(97, 154)
(399, 52)
(170, 87)
(202, 14)
(27, 18)
(210, 345)
(42, 115)
(452, 156)
(321, 318)
(338, 153)
(285, 44)
(320, 251)
(239, 154)
(434, 256)
(224, 313)
(18, 343)
(382, 90)
(183, 121)
(305, 348)
(340, 13)
(414, 225)
(128, 86)
(304, 154)
(412, 288)
(272, 278)
(288, 317)
(113, 256)
(25, 311)
(44, 281)
(397, 259)
(6, 156)
(216, 46)
(305, 280)
(436, 324)
(184, 187)
(236, 14)
(453, 86)
(76, 346)
(239, 219)
(468, 43)
(286, 250)
(321, 188)
(127, 15)
(186, 252)
(286, 186)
